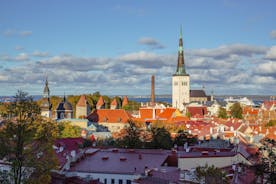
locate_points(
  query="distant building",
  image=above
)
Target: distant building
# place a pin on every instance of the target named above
(199, 96)
(82, 107)
(114, 119)
(64, 110)
(46, 106)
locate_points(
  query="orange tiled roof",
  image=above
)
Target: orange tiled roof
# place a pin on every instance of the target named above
(109, 115)
(114, 102)
(250, 110)
(146, 113)
(82, 101)
(100, 102)
(125, 101)
(167, 113)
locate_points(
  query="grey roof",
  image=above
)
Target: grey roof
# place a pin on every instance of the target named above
(197, 93)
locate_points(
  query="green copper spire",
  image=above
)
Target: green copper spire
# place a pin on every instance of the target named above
(180, 62)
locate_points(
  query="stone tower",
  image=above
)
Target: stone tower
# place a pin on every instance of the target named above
(46, 106)
(180, 81)
(82, 108)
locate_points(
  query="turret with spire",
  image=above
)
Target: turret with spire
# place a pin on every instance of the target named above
(46, 106)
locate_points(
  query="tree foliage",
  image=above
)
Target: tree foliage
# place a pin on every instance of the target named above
(210, 175)
(161, 138)
(26, 141)
(271, 123)
(222, 113)
(65, 130)
(184, 137)
(236, 110)
(132, 137)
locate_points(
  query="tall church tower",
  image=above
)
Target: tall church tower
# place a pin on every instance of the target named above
(46, 106)
(180, 80)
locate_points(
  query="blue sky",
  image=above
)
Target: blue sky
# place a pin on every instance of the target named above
(115, 46)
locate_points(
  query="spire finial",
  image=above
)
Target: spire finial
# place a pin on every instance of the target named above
(180, 31)
(64, 97)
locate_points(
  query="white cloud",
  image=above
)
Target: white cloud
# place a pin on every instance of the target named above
(273, 34)
(25, 33)
(151, 42)
(18, 47)
(268, 68)
(230, 71)
(14, 32)
(9, 32)
(271, 53)
(22, 57)
(40, 54)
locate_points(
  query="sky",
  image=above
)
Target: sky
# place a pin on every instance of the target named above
(114, 47)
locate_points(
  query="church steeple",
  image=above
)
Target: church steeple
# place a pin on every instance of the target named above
(46, 106)
(46, 91)
(180, 70)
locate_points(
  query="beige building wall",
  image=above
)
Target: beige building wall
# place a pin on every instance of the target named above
(180, 91)
(113, 127)
(82, 111)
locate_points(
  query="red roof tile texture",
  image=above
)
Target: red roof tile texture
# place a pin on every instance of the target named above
(100, 102)
(82, 101)
(109, 115)
(201, 111)
(125, 101)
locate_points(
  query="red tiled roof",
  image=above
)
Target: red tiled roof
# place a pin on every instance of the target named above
(125, 101)
(269, 104)
(109, 115)
(202, 110)
(82, 101)
(114, 102)
(68, 145)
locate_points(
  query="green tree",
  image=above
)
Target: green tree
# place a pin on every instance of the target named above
(236, 110)
(183, 137)
(188, 114)
(222, 113)
(132, 137)
(210, 175)
(271, 123)
(65, 130)
(161, 138)
(26, 141)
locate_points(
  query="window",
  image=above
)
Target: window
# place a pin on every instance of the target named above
(120, 181)
(128, 182)
(112, 181)
(184, 83)
(105, 181)
(175, 83)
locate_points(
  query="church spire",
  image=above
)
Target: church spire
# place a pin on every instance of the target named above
(46, 91)
(180, 61)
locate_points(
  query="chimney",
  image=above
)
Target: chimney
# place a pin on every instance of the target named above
(152, 91)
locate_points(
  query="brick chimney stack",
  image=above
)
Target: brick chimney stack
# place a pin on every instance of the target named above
(152, 101)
